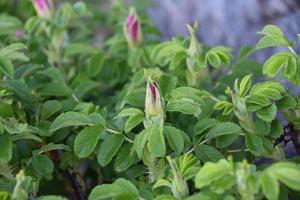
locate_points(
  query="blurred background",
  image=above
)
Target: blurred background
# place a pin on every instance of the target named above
(231, 23)
(226, 22)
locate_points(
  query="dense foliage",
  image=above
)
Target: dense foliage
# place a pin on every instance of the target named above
(125, 116)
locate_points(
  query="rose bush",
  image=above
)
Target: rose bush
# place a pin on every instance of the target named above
(127, 116)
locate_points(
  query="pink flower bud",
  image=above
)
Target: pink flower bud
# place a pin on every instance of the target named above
(132, 29)
(153, 100)
(20, 33)
(43, 7)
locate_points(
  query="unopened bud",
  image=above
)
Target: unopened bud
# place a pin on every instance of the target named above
(194, 49)
(153, 99)
(43, 7)
(132, 29)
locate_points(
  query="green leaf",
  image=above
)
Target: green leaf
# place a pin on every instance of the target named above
(78, 48)
(21, 91)
(6, 110)
(96, 118)
(136, 97)
(213, 59)
(51, 197)
(269, 185)
(288, 102)
(56, 89)
(224, 128)
(32, 24)
(287, 173)
(185, 106)
(268, 113)
(272, 93)
(276, 129)
(105, 191)
(41, 165)
(277, 61)
(109, 147)
(133, 121)
(141, 140)
(128, 112)
(177, 60)
(6, 147)
(226, 140)
(156, 142)
(165, 197)
(162, 183)
(127, 187)
(273, 37)
(262, 127)
(6, 67)
(51, 147)
(188, 165)
(224, 184)
(271, 30)
(9, 24)
(11, 49)
(166, 52)
(174, 138)
(70, 119)
(5, 195)
(16, 128)
(218, 56)
(270, 89)
(204, 124)
(17, 56)
(54, 74)
(207, 153)
(245, 85)
(120, 189)
(188, 93)
(136, 116)
(86, 140)
(207, 195)
(254, 143)
(49, 108)
(96, 64)
(211, 172)
(167, 84)
(125, 157)
(227, 106)
(256, 102)
(272, 41)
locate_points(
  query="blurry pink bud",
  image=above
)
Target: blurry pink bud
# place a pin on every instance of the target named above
(153, 100)
(20, 33)
(43, 7)
(132, 29)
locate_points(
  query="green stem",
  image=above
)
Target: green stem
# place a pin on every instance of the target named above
(292, 50)
(237, 150)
